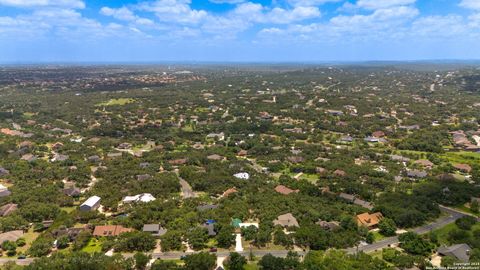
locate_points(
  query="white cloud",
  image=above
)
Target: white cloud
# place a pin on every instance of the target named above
(470, 4)
(125, 14)
(43, 3)
(379, 4)
(178, 11)
(307, 3)
(122, 13)
(259, 14)
(227, 1)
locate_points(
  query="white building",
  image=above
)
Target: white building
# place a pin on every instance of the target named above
(242, 175)
(90, 204)
(144, 198)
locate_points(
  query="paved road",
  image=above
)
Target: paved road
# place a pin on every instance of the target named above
(246, 253)
(26, 261)
(439, 223)
(452, 215)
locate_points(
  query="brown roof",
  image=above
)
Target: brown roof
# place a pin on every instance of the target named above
(463, 167)
(378, 134)
(229, 191)
(424, 162)
(286, 220)
(179, 161)
(369, 220)
(110, 230)
(339, 172)
(295, 159)
(8, 209)
(285, 190)
(242, 153)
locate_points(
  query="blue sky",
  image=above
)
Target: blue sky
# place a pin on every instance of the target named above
(237, 30)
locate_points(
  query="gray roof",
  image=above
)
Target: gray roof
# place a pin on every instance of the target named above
(5, 193)
(3, 171)
(417, 174)
(211, 229)
(459, 251)
(347, 197)
(154, 228)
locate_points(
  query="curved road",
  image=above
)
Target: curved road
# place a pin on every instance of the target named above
(439, 223)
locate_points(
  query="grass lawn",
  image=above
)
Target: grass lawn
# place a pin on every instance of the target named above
(117, 101)
(68, 209)
(377, 236)
(93, 246)
(29, 236)
(462, 157)
(442, 233)
(466, 210)
(251, 266)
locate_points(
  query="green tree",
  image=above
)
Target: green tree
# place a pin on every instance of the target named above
(62, 242)
(448, 261)
(141, 260)
(41, 247)
(200, 261)
(387, 227)
(225, 237)
(474, 206)
(135, 241)
(415, 244)
(172, 240)
(235, 261)
(465, 222)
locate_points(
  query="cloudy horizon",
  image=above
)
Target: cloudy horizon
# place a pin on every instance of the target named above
(238, 30)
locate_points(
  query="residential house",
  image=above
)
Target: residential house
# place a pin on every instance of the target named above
(94, 159)
(215, 157)
(286, 220)
(154, 229)
(140, 198)
(416, 174)
(11, 236)
(328, 225)
(176, 162)
(143, 177)
(29, 157)
(7, 209)
(229, 191)
(218, 136)
(110, 230)
(340, 173)
(460, 252)
(72, 191)
(91, 204)
(353, 199)
(242, 153)
(285, 190)
(242, 175)
(114, 155)
(210, 226)
(378, 134)
(463, 167)
(4, 192)
(425, 163)
(369, 220)
(4, 172)
(399, 158)
(295, 159)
